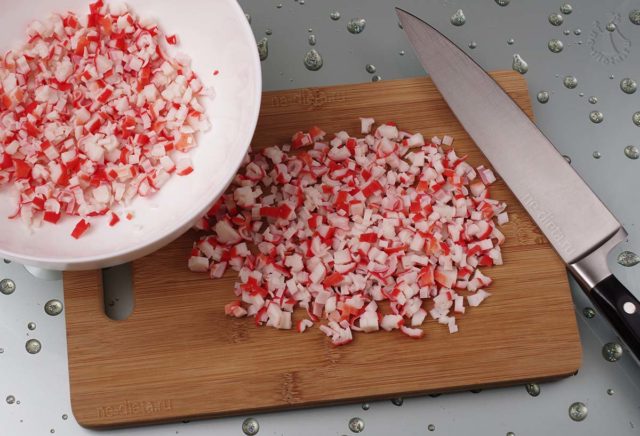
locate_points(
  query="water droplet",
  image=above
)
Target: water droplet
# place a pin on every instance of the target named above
(503, 2)
(566, 8)
(376, 78)
(578, 411)
(510, 433)
(279, 5)
(473, 45)
(577, 32)
(636, 118)
(511, 41)
(566, 32)
(263, 48)
(65, 417)
(11, 399)
(567, 158)
(248, 18)
(313, 60)
(301, 2)
(310, 30)
(628, 258)
(1, 350)
(431, 427)
(356, 425)
(570, 82)
(31, 326)
(555, 45)
(268, 32)
(634, 16)
(533, 389)
(397, 401)
(53, 307)
(589, 312)
(612, 351)
(400, 25)
(628, 86)
(596, 117)
(612, 77)
(311, 39)
(335, 15)
(250, 426)
(401, 52)
(593, 99)
(581, 94)
(458, 18)
(7, 286)
(632, 152)
(18, 402)
(33, 346)
(52, 431)
(370, 68)
(610, 391)
(556, 19)
(7, 261)
(580, 42)
(366, 406)
(356, 25)
(519, 64)
(611, 27)
(596, 155)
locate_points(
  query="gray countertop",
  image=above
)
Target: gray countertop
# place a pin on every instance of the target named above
(610, 390)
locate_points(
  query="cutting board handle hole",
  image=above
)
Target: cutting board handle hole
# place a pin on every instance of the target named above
(117, 286)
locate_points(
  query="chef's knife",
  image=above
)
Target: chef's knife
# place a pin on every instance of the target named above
(574, 220)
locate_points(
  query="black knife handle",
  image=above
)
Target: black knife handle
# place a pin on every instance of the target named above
(621, 309)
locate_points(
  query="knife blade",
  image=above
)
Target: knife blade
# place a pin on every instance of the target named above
(574, 220)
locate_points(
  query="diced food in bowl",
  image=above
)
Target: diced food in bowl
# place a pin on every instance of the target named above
(94, 112)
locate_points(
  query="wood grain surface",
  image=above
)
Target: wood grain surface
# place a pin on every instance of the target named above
(178, 357)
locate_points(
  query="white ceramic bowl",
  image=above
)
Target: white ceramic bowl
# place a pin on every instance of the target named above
(217, 36)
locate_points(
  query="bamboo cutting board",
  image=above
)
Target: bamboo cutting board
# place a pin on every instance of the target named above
(178, 357)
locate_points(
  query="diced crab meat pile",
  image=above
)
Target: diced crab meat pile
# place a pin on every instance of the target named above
(94, 112)
(370, 233)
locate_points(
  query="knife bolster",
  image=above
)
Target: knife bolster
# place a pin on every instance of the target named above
(593, 268)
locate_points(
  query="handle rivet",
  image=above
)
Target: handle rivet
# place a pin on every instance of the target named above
(629, 307)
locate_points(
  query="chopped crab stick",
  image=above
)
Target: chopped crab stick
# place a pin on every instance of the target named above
(93, 113)
(337, 226)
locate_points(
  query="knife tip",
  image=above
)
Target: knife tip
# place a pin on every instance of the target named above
(403, 14)
(407, 19)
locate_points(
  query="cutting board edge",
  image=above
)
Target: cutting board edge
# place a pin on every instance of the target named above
(96, 424)
(416, 79)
